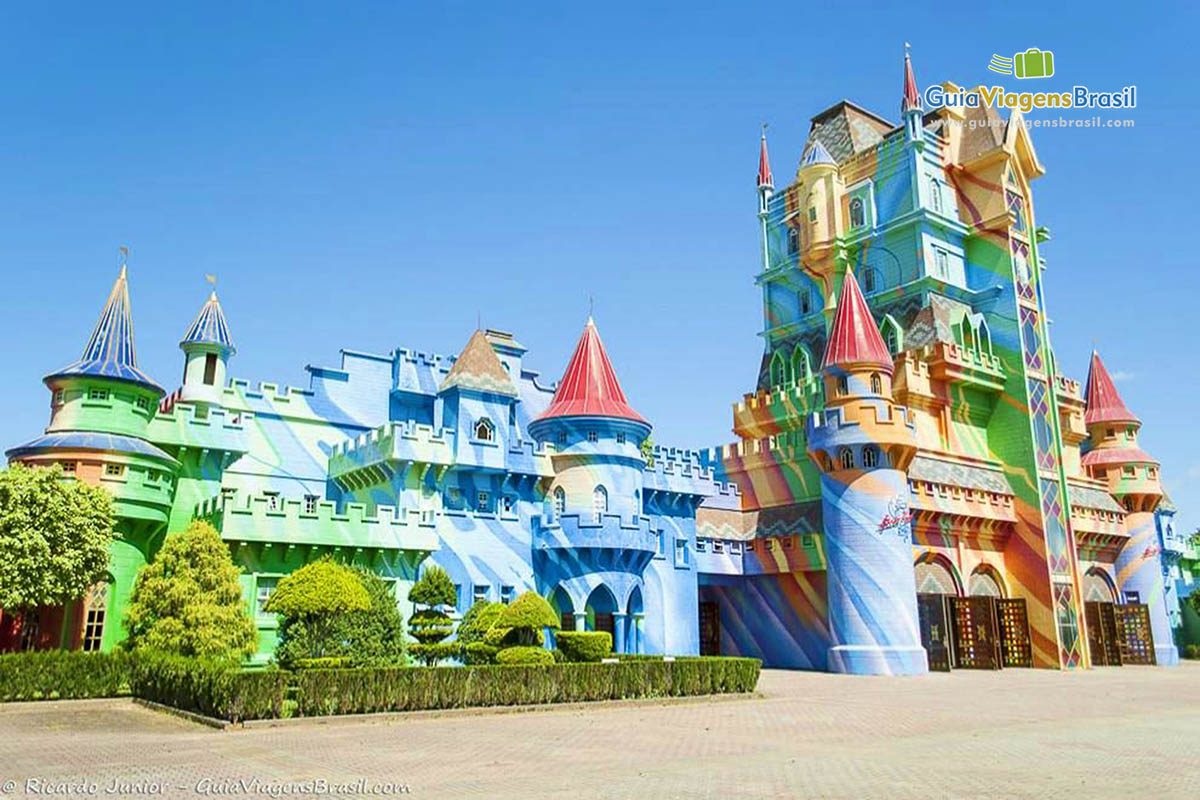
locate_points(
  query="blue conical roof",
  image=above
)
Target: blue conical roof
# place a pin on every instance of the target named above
(110, 352)
(816, 154)
(209, 326)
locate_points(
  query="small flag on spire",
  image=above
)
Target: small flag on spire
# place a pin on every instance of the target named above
(211, 279)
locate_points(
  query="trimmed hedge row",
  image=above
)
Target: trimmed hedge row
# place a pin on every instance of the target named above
(364, 691)
(62, 675)
(215, 688)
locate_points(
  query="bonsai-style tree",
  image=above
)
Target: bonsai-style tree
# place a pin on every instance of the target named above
(520, 629)
(375, 637)
(648, 450)
(432, 624)
(474, 626)
(312, 601)
(188, 600)
(54, 537)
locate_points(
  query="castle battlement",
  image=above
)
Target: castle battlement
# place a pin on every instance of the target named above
(213, 428)
(268, 390)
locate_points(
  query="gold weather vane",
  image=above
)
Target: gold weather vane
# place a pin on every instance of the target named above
(211, 279)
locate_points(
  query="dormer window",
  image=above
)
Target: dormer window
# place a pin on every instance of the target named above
(858, 214)
(484, 430)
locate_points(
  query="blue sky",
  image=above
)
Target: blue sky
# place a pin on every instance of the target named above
(374, 175)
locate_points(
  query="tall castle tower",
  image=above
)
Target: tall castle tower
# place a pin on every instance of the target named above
(863, 442)
(1113, 456)
(207, 347)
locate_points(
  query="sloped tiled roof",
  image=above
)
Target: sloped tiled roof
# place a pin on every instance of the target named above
(854, 339)
(589, 387)
(846, 129)
(110, 351)
(1104, 404)
(1088, 497)
(952, 473)
(478, 367)
(209, 327)
(85, 440)
(816, 154)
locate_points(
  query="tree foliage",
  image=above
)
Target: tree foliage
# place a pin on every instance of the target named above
(188, 600)
(430, 625)
(54, 537)
(473, 629)
(519, 627)
(370, 638)
(313, 603)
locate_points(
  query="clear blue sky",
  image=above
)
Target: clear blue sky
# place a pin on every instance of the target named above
(370, 175)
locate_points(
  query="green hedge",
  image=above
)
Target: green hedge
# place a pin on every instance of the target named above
(62, 675)
(584, 646)
(215, 688)
(524, 655)
(362, 691)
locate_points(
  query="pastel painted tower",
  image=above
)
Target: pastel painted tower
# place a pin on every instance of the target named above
(100, 411)
(594, 543)
(1113, 455)
(207, 347)
(863, 442)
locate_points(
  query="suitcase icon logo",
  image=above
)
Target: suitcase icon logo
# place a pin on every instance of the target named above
(1033, 63)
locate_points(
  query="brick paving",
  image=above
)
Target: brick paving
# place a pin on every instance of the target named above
(1130, 732)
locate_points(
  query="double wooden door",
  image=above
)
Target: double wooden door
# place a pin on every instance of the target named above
(1119, 634)
(974, 632)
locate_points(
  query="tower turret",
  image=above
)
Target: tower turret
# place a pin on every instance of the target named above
(863, 442)
(1114, 456)
(477, 400)
(910, 105)
(819, 183)
(207, 347)
(597, 436)
(766, 187)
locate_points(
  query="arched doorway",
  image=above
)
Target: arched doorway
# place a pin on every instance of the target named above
(985, 582)
(601, 609)
(1101, 614)
(633, 627)
(936, 584)
(560, 601)
(1098, 587)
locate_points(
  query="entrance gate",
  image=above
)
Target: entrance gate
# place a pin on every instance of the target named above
(976, 634)
(710, 629)
(935, 630)
(1015, 645)
(1119, 634)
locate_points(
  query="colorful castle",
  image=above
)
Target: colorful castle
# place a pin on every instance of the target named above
(915, 485)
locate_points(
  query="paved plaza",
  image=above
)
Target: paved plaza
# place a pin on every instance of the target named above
(1121, 732)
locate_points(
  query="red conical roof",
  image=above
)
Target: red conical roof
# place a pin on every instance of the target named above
(1103, 402)
(764, 166)
(589, 387)
(912, 98)
(854, 339)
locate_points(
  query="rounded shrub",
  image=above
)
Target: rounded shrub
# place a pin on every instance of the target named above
(584, 646)
(524, 656)
(322, 587)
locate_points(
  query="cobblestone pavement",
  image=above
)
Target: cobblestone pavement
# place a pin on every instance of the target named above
(1132, 732)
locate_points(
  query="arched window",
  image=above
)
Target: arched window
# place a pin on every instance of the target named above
(870, 281)
(843, 385)
(560, 502)
(847, 458)
(599, 503)
(870, 457)
(793, 241)
(778, 370)
(858, 216)
(890, 331)
(935, 195)
(484, 431)
(800, 365)
(876, 383)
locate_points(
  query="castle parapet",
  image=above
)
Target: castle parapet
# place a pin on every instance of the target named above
(211, 428)
(582, 531)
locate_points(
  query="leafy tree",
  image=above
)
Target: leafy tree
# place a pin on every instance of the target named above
(313, 601)
(520, 626)
(188, 601)
(473, 629)
(432, 624)
(54, 537)
(374, 637)
(648, 450)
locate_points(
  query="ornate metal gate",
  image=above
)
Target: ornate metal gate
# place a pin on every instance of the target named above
(1103, 641)
(935, 630)
(710, 629)
(1135, 636)
(976, 635)
(1015, 645)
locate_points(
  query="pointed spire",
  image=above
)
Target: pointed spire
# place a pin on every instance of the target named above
(478, 367)
(854, 339)
(110, 351)
(589, 387)
(1103, 402)
(209, 327)
(912, 98)
(765, 181)
(816, 154)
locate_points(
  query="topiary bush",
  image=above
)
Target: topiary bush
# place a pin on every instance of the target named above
(584, 646)
(520, 625)
(432, 624)
(473, 629)
(524, 655)
(319, 605)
